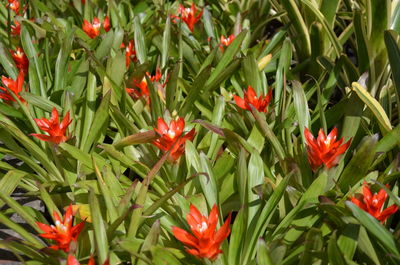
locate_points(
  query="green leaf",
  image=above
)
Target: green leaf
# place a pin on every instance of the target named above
(226, 59)
(99, 120)
(99, 228)
(374, 106)
(140, 44)
(359, 164)
(263, 257)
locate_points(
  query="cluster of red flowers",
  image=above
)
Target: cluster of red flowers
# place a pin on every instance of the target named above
(15, 86)
(325, 149)
(225, 42)
(63, 232)
(142, 88)
(55, 129)
(172, 138)
(373, 203)
(188, 15)
(93, 29)
(250, 98)
(130, 53)
(205, 241)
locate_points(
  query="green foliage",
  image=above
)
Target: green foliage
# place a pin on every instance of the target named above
(329, 63)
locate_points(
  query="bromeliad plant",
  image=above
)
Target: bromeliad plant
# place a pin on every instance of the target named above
(211, 159)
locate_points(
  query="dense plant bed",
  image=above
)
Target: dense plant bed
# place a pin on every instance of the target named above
(208, 132)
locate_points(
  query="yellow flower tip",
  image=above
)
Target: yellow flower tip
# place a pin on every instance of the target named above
(263, 62)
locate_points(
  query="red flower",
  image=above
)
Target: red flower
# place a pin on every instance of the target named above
(93, 30)
(53, 127)
(225, 42)
(13, 5)
(372, 204)
(106, 24)
(250, 97)
(130, 52)
(205, 241)
(83, 2)
(171, 137)
(14, 85)
(324, 149)
(189, 16)
(73, 261)
(143, 88)
(20, 59)
(63, 232)
(16, 28)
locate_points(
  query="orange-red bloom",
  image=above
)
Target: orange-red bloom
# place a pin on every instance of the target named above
(130, 53)
(143, 88)
(16, 28)
(225, 42)
(14, 85)
(62, 232)
(13, 5)
(205, 240)
(171, 137)
(73, 261)
(93, 30)
(20, 59)
(372, 203)
(56, 131)
(189, 16)
(325, 149)
(250, 97)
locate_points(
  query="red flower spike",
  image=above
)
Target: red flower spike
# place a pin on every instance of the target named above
(205, 241)
(14, 85)
(16, 28)
(189, 16)
(20, 59)
(56, 131)
(225, 42)
(106, 24)
(143, 88)
(14, 6)
(325, 149)
(130, 53)
(372, 203)
(250, 97)
(172, 138)
(62, 232)
(93, 29)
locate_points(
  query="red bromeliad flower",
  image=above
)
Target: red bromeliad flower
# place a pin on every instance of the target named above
(189, 16)
(20, 59)
(372, 203)
(73, 261)
(93, 30)
(56, 131)
(205, 241)
(143, 88)
(325, 149)
(171, 137)
(13, 5)
(250, 97)
(14, 85)
(16, 28)
(130, 53)
(225, 42)
(63, 232)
